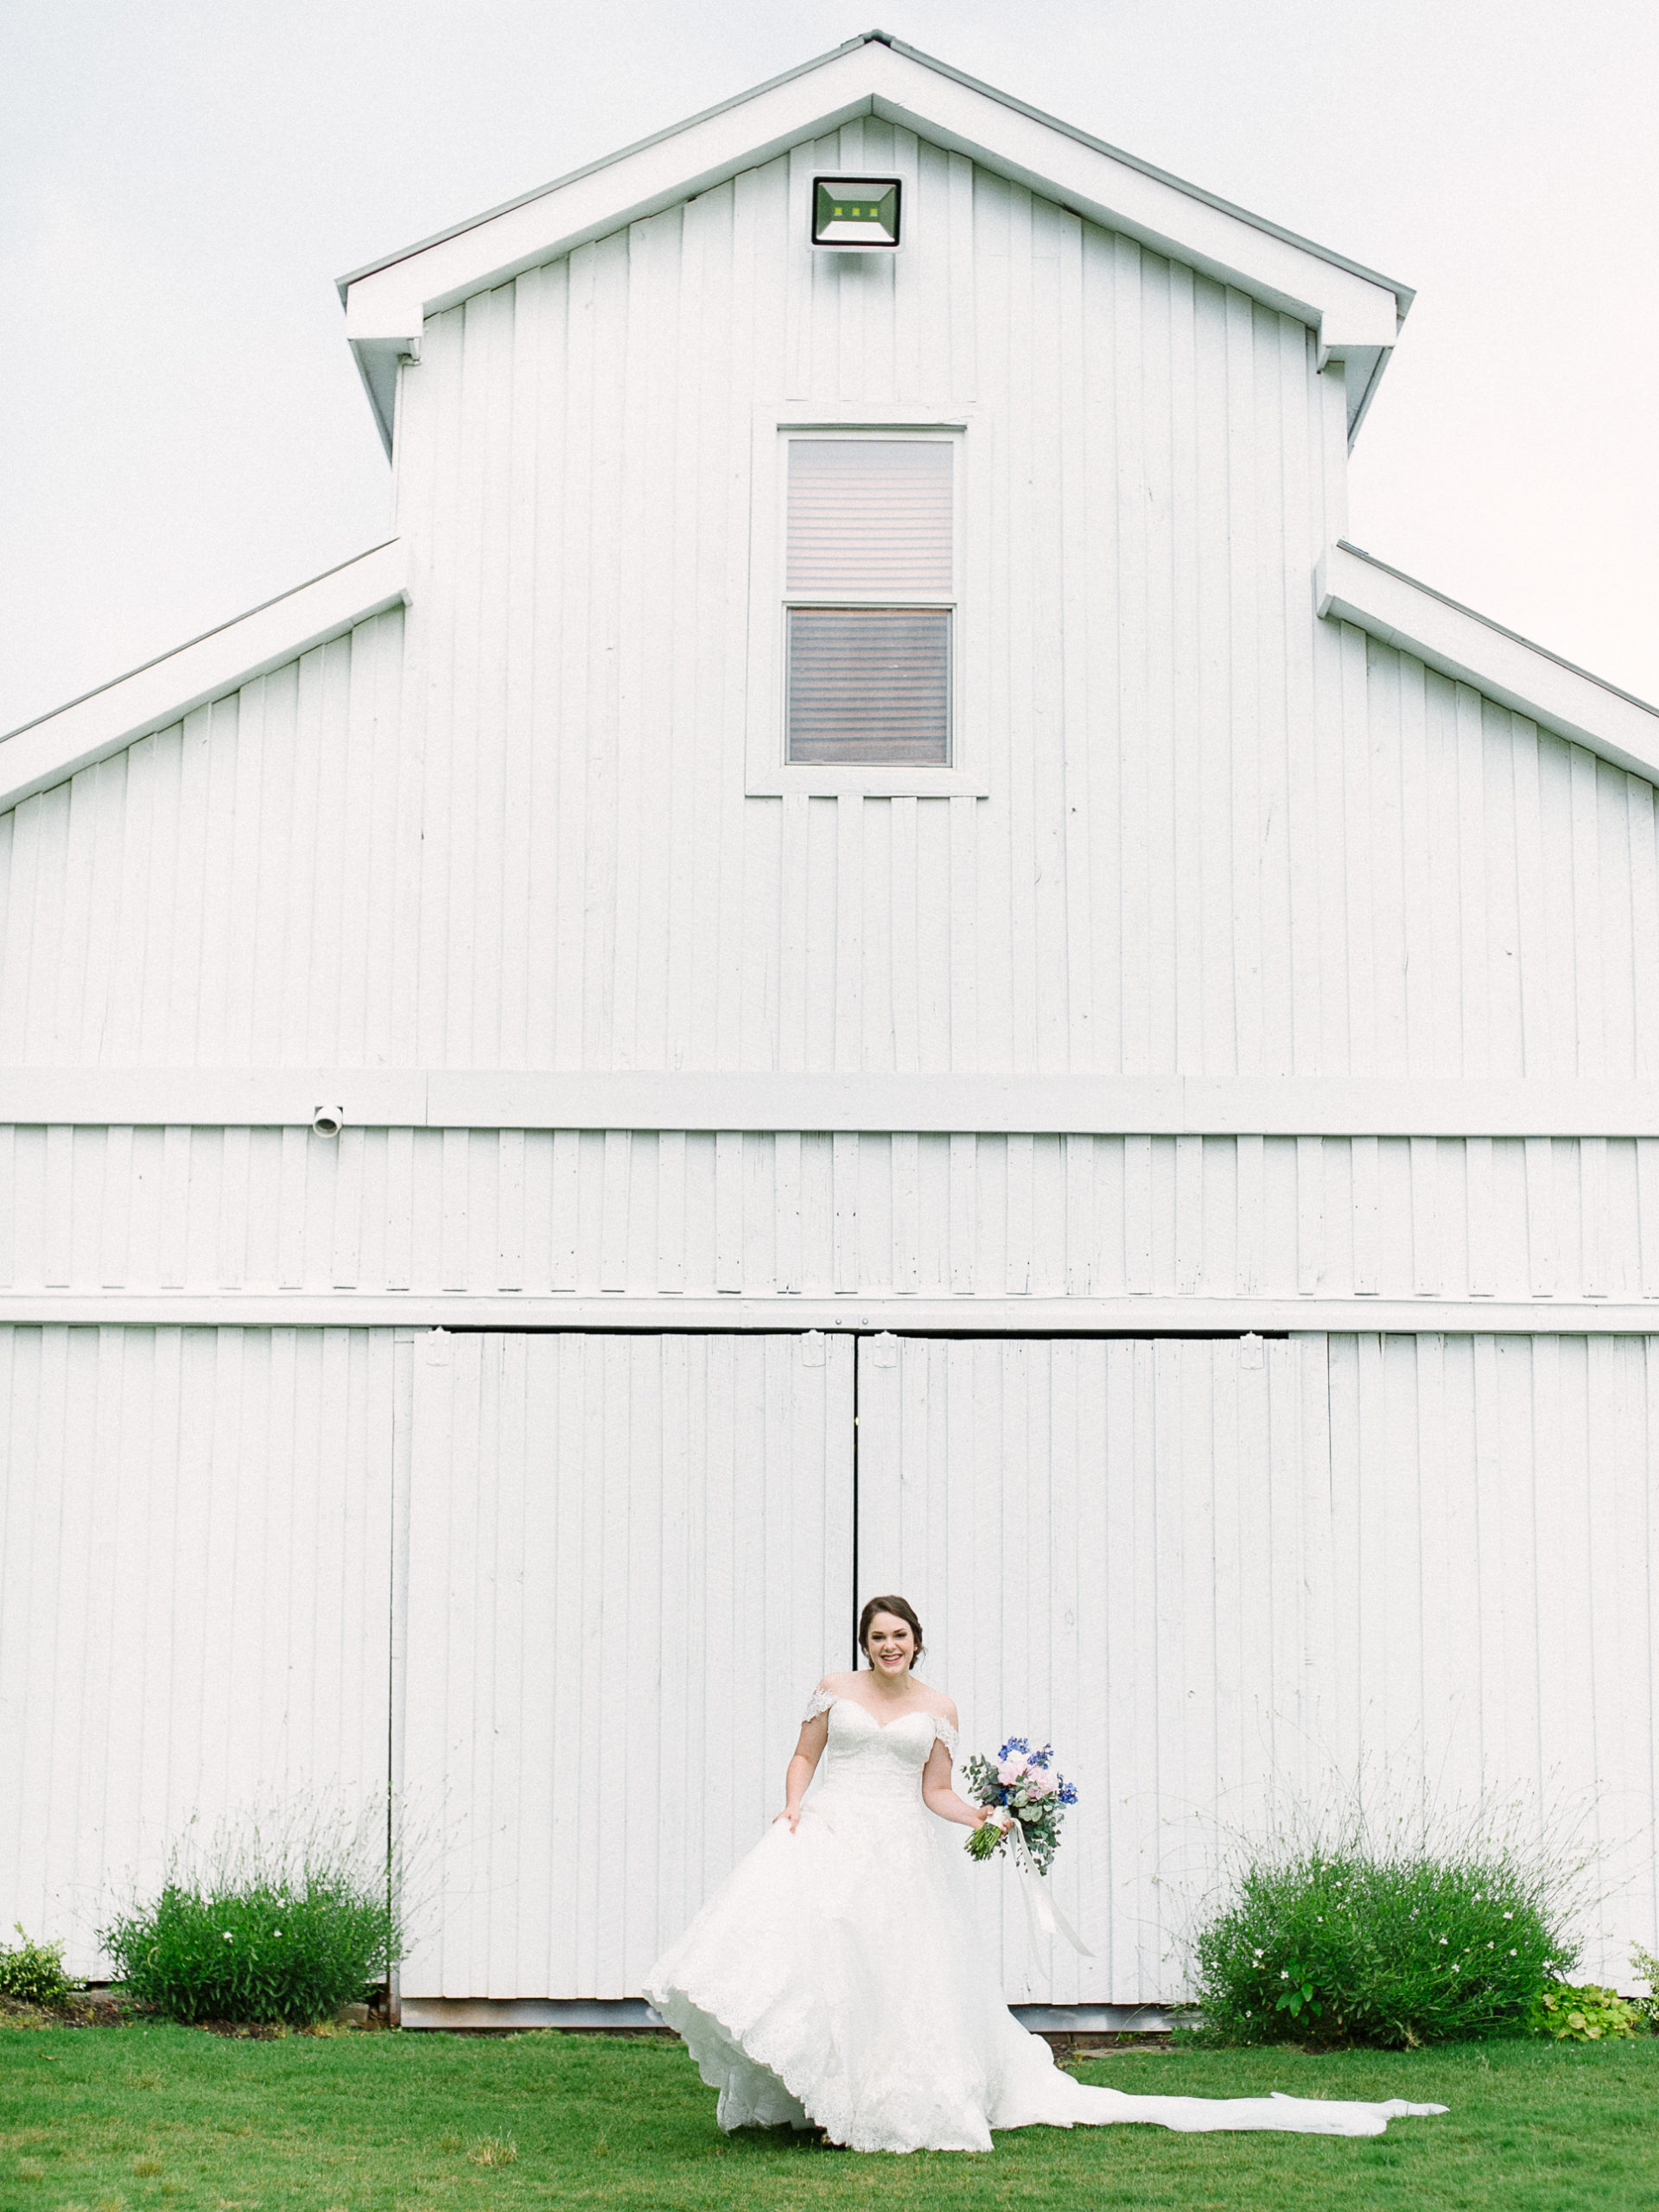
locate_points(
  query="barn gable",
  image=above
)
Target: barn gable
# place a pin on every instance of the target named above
(1195, 831)
(1354, 312)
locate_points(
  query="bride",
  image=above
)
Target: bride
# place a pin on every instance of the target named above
(836, 1981)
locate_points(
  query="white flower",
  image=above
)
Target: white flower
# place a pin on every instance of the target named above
(229, 1938)
(1442, 1939)
(1284, 1974)
(1511, 1953)
(1508, 1915)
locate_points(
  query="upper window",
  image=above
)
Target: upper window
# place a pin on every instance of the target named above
(870, 600)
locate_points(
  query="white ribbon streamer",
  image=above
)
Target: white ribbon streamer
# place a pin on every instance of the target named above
(1044, 1916)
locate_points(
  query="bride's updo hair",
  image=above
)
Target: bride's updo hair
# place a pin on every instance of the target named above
(904, 1610)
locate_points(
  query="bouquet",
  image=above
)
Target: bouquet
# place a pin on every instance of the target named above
(1020, 1785)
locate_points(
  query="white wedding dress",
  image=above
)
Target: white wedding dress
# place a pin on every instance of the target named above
(836, 1981)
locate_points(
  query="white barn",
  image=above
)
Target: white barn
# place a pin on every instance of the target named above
(549, 1145)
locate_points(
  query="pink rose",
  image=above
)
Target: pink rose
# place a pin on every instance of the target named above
(1038, 1785)
(1010, 1771)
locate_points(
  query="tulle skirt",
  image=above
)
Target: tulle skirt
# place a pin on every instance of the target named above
(836, 1981)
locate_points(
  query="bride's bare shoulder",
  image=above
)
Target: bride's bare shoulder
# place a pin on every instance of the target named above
(840, 1684)
(944, 1708)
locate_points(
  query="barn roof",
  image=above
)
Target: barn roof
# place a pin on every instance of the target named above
(1350, 586)
(1355, 312)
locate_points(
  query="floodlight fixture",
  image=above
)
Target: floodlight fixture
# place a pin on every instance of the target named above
(855, 214)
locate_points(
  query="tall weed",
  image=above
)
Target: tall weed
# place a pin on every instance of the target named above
(1412, 1930)
(280, 1921)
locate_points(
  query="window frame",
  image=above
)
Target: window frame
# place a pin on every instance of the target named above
(770, 773)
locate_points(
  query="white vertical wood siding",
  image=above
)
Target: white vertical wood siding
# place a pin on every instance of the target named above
(1212, 1582)
(1493, 1507)
(1197, 1565)
(659, 1212)
(236, 891)
(1114, 1546)
(1222, 836)
(194, 1597)
(629, 1561)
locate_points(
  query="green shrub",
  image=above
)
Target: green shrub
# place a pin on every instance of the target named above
(284, 1932)
(33, 1974)
(1584, 2013)
(1417, 1931)
(1645, 1964)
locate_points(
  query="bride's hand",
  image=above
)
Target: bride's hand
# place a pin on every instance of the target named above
(791, 1814)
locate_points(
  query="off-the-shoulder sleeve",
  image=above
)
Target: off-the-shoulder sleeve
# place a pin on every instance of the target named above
(946, 1734)
(820, 1701)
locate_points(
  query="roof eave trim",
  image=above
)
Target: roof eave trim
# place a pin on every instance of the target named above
(343, 284)
(1353, 310)
(89, 729)
(1353, 587)
(378, 365)
(1404, 294)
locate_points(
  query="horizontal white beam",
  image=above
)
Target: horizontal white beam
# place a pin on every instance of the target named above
(46, 752)
(1355, 312)
(509, 2015)
(1058, 1104)
(1000, 1316)
(1354, 588)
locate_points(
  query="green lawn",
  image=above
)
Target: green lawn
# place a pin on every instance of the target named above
(150, 2118)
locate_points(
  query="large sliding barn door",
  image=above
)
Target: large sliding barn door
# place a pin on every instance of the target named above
(630, 1558)
(1114, 1545)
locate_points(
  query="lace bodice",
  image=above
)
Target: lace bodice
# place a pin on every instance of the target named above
(844, 1731)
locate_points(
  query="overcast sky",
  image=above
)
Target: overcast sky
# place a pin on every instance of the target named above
(182, 179)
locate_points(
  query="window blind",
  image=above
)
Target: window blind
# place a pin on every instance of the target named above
(869, 684)
(870, 515)
(870, 519)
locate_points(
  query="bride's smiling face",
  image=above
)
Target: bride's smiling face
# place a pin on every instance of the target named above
(890, 1645)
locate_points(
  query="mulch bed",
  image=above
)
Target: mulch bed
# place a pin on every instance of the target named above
(1067, 2043)
(84, 2009)
(100, 2009)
